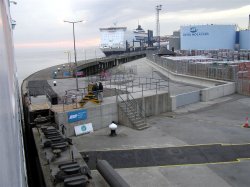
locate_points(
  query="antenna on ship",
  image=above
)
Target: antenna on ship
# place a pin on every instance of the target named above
(158, 8)
(115, 23)
(249, 22)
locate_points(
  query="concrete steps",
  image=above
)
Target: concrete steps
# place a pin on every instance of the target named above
(141, 126)
(132, 114)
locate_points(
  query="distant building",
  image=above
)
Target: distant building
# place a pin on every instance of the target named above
(208, 37)
(245, 39)
(174, 41)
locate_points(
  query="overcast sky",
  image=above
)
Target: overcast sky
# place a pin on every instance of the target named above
(40, 22)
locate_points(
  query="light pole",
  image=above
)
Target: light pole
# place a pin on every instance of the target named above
(13, 2)
(73, 23)
(69, 58)
(95, 55)
(84, 50)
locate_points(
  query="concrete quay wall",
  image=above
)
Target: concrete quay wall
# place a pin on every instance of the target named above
(218, 91)
(155, 104)
(202, 95)
(151, 105)
(215, 88)
(200, 81)
(102, 115)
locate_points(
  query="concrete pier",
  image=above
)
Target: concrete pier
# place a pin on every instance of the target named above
(182, 128)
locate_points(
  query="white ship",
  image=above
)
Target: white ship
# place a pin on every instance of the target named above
(118, 40)
(12, 160)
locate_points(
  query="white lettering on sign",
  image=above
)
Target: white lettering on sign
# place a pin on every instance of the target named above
(196, 34)
(73, 116)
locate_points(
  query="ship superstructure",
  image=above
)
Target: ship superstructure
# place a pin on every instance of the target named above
(12, 160)
(118, 40)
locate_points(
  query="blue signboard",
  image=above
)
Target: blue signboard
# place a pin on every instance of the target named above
(66, 74)
(77, 115)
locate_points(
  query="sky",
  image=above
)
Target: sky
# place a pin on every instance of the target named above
(40, 23)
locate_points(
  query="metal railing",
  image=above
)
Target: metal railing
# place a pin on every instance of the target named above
(123, 83)
(236, 71)
(133, 83)
(131, 105)
(140, 109)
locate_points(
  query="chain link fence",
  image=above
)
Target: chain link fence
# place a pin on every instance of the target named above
(235, 71)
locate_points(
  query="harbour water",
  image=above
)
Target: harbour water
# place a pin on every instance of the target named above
(32, 60)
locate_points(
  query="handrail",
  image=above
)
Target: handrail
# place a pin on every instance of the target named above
(124, 83)
(143, 113)
(131, 108)
(159, 83)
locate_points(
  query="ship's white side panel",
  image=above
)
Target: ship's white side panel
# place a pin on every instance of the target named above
(205, 37)
(245, 39)
(12, 162)
(113, 38)
(117, 40)
(129, 37)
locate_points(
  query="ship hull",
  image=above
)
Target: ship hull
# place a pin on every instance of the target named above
(109, 52)
(12, 159)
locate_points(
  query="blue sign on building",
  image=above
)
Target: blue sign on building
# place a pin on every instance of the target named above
(77, 116)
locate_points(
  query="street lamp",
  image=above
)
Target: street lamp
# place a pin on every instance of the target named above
(84, 50)
(73, 22)
(13, 2)
(69, 58)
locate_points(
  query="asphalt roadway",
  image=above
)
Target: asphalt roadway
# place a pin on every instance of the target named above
(202, 144)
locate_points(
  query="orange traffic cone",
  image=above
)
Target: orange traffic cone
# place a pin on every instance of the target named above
(246, 125)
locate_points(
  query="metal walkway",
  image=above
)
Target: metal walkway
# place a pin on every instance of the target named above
(201, 154)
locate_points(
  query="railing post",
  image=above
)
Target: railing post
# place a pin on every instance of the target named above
(127, 92)
(116, 95)
(139, 82)
(142, 90)
(156, 88)
(63, 103)
(137, 113)
(132, 86)
(168, 87)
